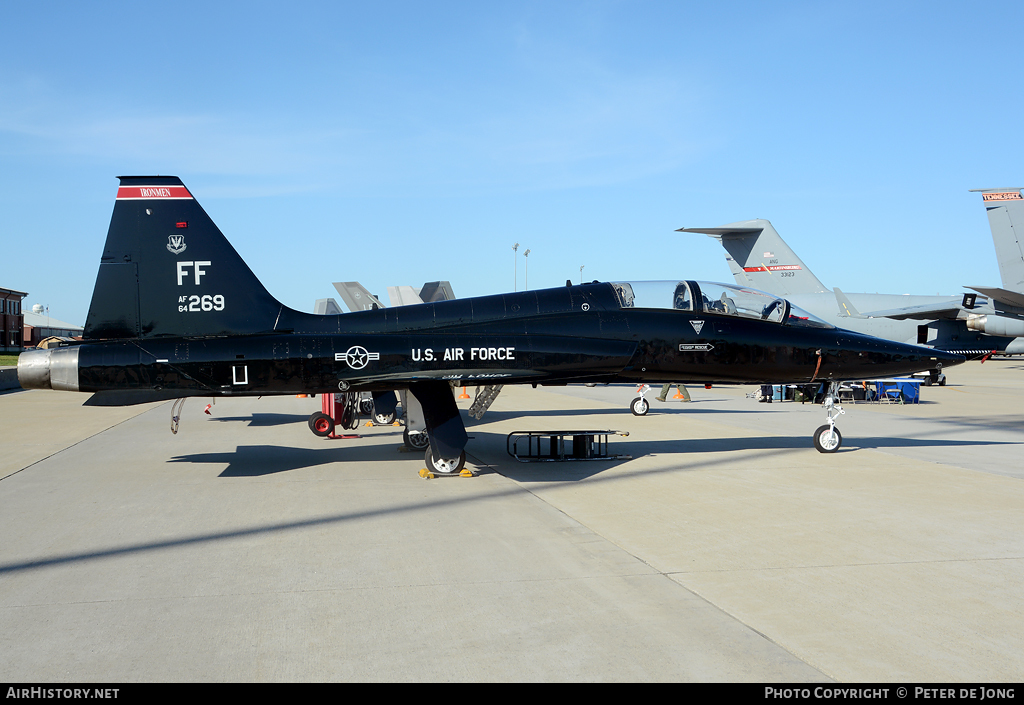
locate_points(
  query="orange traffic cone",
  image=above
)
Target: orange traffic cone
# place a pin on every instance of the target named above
(463, 395)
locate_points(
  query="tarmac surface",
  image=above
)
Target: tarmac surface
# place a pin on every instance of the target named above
(727, 549)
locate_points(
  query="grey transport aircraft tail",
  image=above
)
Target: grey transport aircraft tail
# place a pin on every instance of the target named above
(759, 258)
(1005, 208)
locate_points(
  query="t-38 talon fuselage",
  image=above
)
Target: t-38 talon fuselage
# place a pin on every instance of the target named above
(177, 313)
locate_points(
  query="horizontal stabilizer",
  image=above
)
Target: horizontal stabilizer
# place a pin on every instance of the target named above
(1003, 296)
(735, 229)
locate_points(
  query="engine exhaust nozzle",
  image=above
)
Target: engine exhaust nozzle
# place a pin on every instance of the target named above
(56, 368)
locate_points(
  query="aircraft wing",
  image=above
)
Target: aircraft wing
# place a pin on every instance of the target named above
(923, 312)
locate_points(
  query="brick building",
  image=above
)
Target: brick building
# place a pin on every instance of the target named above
(11, 320)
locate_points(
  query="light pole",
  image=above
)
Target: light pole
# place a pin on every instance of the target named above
(581, 274)
(515, 265)
(527, 280)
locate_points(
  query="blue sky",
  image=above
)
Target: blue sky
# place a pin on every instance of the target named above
(403, 142)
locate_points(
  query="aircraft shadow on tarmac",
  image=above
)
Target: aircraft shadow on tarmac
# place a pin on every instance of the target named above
(247, 461)
(259, 460)
(263, 419)
(691, 454)
(1013, 423)
(612, 414)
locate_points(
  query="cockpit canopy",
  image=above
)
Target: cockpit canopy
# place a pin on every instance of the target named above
(711, 297)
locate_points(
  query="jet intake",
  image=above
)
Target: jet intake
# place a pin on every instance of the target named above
(56, 368)
(997, 325)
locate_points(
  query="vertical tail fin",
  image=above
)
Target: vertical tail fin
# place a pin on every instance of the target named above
(1005, 207)
(357, 297)
(167, 270)
(761, 259)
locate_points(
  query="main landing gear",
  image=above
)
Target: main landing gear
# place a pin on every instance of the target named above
(827, 438)
(444, 466)
(417, 440)
(444, 435)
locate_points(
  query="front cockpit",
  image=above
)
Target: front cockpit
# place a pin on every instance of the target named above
(714, 298)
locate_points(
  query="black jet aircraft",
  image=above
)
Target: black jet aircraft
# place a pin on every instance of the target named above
(176, 313)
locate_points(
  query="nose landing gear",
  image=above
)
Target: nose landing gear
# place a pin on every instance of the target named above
(827, 438)
(640, 406)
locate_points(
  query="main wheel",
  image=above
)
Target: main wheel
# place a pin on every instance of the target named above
(384, 419)
(639, 407)
(445, 466)
(321, 424)
(417, 440)
(827, 439)
(366, 407)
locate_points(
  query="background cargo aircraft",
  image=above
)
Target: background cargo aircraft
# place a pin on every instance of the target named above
(358, 298)
(176, 313)
(1005, 209)
(757, 256)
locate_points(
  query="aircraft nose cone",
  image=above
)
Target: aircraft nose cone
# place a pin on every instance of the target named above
(872, 358)
(947, 359)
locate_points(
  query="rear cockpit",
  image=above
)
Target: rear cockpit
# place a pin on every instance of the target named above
(711, 297)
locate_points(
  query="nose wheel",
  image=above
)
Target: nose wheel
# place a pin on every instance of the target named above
(640, 406)
(827, 438)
